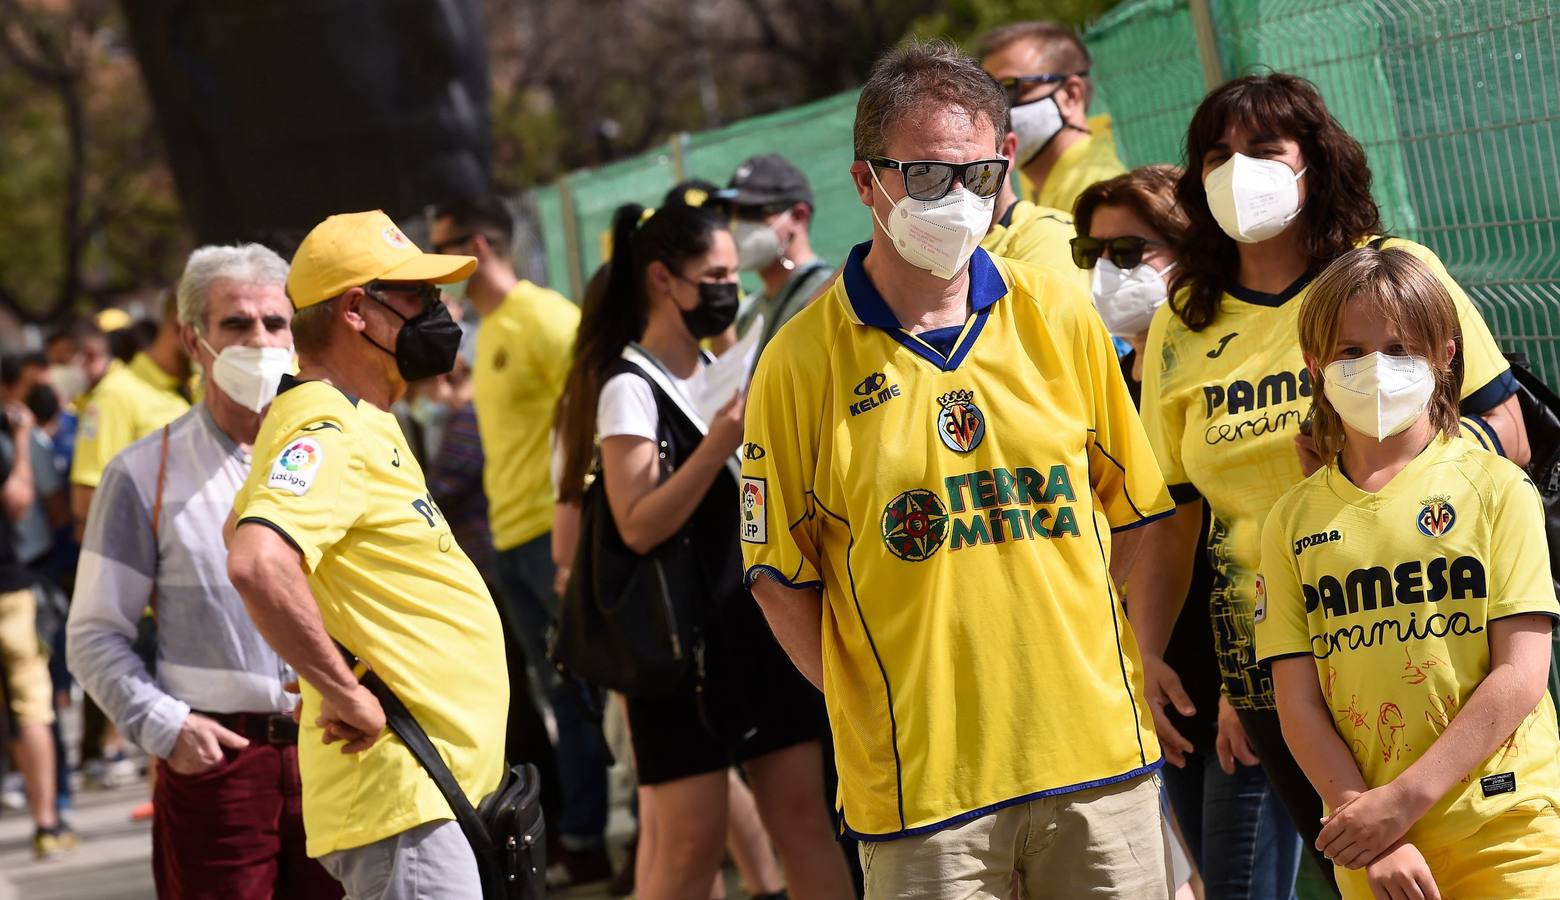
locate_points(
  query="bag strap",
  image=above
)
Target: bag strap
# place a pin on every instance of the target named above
(404, 725)
(162, 479)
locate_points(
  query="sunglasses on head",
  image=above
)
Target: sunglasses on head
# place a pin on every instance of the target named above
(1126, 252)
(1013, 86)
(932, 180)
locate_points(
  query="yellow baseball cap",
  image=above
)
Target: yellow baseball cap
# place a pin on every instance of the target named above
(352, 249)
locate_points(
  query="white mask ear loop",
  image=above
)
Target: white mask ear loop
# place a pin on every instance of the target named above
(873, 170)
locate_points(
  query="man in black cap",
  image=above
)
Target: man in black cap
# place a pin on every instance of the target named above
(772, 206)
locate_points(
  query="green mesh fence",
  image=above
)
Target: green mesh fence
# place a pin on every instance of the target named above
(1455, 102)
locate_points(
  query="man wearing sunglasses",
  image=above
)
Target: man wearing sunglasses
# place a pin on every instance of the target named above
(1043, 69)
(1025, 231)
(335, 538)
(939, 449)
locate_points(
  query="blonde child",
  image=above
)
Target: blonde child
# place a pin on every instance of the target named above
(1405, 605)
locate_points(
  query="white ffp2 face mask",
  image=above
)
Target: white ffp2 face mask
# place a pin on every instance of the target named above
(1253, 199)
(939, 236)
(249, 375)
(758, 245)
(1126, 298)
(1379, 395)
(1035, 123)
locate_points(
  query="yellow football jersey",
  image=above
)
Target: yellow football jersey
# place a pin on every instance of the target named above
(1034, 234)
(1392, 594)
(956, 512)
(523, 355)
(1088, 160)
(1222, 407)
(335, 477)
(131, 402)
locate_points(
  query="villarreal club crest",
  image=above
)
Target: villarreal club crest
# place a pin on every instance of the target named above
(1436, 516)
(960, 423)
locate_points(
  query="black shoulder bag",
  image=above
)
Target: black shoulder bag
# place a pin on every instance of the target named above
(627, 622)
(507, 833)
(1541, 420)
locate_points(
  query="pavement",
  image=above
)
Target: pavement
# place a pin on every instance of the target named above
(114, 861)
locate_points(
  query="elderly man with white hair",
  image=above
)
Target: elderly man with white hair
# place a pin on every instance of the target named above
(228, 818)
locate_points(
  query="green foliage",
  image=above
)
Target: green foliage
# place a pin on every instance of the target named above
(90, 209)
(964, 21)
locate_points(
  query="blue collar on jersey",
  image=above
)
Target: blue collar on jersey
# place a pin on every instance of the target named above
(986, 288)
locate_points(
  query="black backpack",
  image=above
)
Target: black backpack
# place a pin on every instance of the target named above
(1541, 418)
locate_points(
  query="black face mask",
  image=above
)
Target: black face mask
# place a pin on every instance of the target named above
(427, 343)
(717, 309)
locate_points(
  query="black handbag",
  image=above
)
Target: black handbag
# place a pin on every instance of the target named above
(627, 622)
(507, 833)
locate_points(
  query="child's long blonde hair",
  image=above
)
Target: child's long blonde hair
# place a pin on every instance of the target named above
(1407, 293)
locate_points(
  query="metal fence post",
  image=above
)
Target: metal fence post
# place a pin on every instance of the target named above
(571, 238)
(1207, 43)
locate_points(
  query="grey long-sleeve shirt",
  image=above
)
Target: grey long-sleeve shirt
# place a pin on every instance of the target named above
(210, 656)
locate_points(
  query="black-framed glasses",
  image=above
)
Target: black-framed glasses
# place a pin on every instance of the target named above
(1014, 86)
(425, 292)
(1126, 251)
(927, 179)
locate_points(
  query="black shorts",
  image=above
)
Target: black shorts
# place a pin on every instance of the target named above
(753, 702)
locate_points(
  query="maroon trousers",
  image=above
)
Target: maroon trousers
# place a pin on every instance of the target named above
(235, 831)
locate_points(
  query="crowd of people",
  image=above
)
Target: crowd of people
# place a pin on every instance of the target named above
(1083, 532)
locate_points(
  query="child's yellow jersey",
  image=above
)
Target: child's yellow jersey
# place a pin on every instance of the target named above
(1392, 594)
(1222, 407)
(956, 512)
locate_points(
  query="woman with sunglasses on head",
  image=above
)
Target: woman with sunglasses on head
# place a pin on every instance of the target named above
(1275, 190)
(670, 475)
(1238, 835)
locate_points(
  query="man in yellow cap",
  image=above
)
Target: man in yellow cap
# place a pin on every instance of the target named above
(334, 536)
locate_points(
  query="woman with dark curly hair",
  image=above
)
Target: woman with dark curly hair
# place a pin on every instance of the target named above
(1236, 832)
(1274, 191)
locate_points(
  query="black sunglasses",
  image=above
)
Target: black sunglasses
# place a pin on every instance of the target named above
(426, 293)
(1014, 85)
(446, 246)
(1126, 252)
(932, 180)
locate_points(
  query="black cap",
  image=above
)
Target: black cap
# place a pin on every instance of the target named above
(766, 179)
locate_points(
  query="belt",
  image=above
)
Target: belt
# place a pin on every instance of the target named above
(265, 728)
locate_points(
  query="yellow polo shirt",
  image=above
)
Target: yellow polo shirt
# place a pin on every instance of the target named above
(1392, 594)
(1222, 407)
(335, 477)
(1091, 159)
(131, 402)
(1035, 234)
(523, 355)
(956, 512)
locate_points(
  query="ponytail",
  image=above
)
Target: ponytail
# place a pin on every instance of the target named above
(612, 313)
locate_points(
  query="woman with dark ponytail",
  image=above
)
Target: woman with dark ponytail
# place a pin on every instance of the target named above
(673, 283)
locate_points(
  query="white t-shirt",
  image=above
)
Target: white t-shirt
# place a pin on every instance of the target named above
(627, 405)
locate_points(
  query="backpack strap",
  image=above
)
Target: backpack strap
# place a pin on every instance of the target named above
(162, 479)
